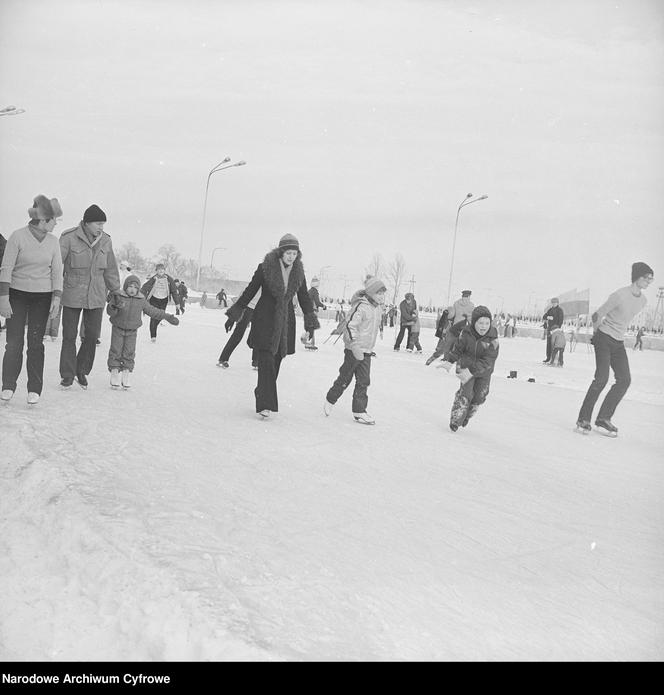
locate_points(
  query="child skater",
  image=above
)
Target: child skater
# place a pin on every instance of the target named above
(360, 333)
(558, 342)
(126, 308)
(475, 352)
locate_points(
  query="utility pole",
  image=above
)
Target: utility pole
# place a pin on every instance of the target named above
(411, 282)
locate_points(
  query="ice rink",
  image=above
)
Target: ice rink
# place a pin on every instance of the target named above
(169, 523)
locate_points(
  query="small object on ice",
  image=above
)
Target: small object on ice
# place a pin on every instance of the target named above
(531, 380)
(512, 374)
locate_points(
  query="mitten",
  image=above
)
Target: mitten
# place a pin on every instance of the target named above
(464, 375)
(358, 354)
(5, 306)
(172, 319)
(228, 325)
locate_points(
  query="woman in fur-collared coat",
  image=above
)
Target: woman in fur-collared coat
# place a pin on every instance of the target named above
(280, 277)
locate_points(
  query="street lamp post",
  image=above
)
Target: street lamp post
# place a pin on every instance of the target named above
(466, 201)
(216, 248)
(214, 170)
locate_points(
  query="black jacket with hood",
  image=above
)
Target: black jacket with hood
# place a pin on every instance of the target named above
(473, 351)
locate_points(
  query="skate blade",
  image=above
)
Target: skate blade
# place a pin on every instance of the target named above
(114, 387)
(362, 422)
(604, 433)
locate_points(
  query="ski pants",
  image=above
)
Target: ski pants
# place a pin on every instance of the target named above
(236, 335)
(122, 352)
(31, 309)
(469, 398)
(402, 330)
(160, 304)
(609, 352)
(266, 388)
(361, 370)
(71, 362)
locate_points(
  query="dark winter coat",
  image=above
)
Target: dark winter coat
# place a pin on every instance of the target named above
(553, 318)
(90, 271)
(127, 312)
(442, 323)
(315, 298)
(3, 243)
(183, 292)
(172, 289)
(474, 352)
(273, 320)
(408, 312)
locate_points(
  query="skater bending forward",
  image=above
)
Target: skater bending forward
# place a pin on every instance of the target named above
(126, 308)
(364, 320)
(610, 323)
(474, 352)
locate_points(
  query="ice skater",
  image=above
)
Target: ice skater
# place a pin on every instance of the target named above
(238, 333)
(610, 323)
(280, 277)
(158, 289)
(360, 333)
(126, 309)
(558, 342)
(310, 344)
(474, 352)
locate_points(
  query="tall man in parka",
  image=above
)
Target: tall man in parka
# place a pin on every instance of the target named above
(90, 272)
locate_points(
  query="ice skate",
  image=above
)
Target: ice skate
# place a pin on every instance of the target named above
(471, 411)
(125, 379)
(583, 427)
(327, 407)
(309, 346)
(33, 398)
(6, 396)
(115, 378)
(606, 427)
(453, 426)
(67, 382)
(223, 365)
(264, 414)
(459, 410)
(82, 381)
(153, 340)
(364, 418)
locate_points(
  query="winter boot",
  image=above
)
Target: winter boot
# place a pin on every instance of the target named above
(82, 381)
(125, 378)
(459, 410)
(605, 426)
(6, 395)
(583, 426)
(471, 411)
(327, 407)
(115, 378)
(364, 418)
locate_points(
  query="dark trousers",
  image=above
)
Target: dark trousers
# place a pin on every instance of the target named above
(548, 346)
(31, 309)
(638, 345)
(609, 352)
(236, 335)
(414, 342)
(122, 352)
(400, 335)
(179, 308)
(266, 389)
(72, 363)
(160, 304)
(469, 398)
(559, 352)
(350, 368)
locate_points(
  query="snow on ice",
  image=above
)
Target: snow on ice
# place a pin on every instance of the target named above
(168, 523)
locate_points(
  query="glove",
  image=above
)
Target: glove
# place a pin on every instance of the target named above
(592, 340)
(464, 375)
(5, 306)
(173, 319)
(443, 365)
(324, 307)
(228, 325)
(358, 354)
(55, 307)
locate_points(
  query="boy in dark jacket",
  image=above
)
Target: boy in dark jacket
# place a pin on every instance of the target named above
(475, 352)
(126, 309)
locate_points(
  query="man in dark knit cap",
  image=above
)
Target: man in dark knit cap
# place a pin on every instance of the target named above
(610, 322)
(90, 272)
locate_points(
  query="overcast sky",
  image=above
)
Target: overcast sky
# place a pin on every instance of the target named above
(363, 124)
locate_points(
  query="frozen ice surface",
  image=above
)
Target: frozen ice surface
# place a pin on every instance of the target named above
(168, 523)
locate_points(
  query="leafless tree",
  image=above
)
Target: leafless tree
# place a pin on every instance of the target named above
(376, 267)
(395, 274)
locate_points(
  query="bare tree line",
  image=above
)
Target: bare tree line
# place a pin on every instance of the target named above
(393, 273)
